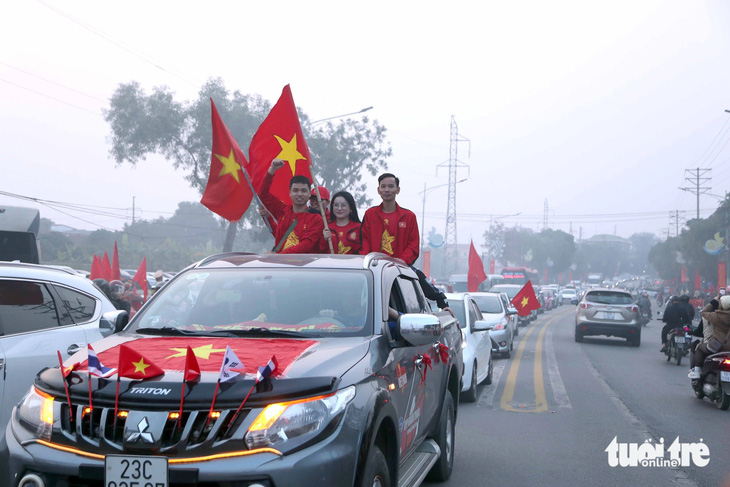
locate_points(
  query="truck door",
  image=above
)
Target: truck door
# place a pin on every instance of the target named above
(418, 384)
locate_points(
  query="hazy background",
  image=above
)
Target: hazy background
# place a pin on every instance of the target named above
(596, 107)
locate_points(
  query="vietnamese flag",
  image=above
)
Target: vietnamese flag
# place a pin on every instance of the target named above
(475, 274)
(106, 267)
(115, 272)
(525, 300)
(96, 271)
(280, 136)
(227, 193)
(140, 277)
(192, 370)
(134, 366)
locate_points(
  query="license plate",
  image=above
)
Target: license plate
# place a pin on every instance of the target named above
(725, 376)
(135, 471)
(679, 339)
(607, 315)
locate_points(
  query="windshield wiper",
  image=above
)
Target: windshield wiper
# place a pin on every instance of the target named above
(268, 332)
(172, 331)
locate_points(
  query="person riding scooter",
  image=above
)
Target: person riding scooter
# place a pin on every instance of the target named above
(645, 306)
(716, 318)
(674, 317)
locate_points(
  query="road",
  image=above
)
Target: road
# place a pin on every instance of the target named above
(556, 405)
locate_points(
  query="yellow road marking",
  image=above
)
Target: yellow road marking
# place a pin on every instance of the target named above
(539, 384)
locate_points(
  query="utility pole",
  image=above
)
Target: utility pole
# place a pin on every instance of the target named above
(451, 254)
(545, 215)
(697, 177)
(133, 198)
(676, 218)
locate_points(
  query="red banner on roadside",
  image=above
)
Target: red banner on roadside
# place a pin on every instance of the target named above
(721, 274)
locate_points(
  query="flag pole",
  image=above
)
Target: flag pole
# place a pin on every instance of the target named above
(319, 203)
(235, 415)
(258, 200)
(212, 405)
(65, 386)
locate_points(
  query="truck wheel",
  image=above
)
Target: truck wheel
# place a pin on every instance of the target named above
(445, 464)
(376, 473)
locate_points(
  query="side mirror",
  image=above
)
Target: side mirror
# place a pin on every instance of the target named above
(419, 329)
(481, 325)
(113, 322)
(511, 311)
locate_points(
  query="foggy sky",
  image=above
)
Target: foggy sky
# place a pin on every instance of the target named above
(596, 107)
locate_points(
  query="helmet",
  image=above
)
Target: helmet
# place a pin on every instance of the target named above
(684, 298)
(645, 294)
(117, 286)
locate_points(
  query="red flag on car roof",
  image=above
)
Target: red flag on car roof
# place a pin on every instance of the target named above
(106, 267)
(141, 276)
(227, 193)
(525, 300)
(95, 268)
(475, 274)
(116, 272)
(280, 136)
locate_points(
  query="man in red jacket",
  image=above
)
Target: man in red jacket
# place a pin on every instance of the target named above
(297, 231)
(388, 228)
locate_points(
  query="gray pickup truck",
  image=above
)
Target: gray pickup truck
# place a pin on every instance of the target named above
(355, 397)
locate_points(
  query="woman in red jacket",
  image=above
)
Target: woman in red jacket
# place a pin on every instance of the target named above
(344, 225)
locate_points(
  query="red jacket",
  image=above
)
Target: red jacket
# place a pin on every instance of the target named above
(304, 239)
(345, 240)
(406, 244)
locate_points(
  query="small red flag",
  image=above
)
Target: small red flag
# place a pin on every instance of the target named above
(192, 369)
(106, 267)
(227, 193)
(280, 136)
(96, 271)
(475, 274)
(115, 273)
(141, 276)
(525, 300)
(134, 366)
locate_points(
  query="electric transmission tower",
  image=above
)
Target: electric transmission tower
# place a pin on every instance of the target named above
(696, 177)
(677, 219)
(451, 254)
(545, 216)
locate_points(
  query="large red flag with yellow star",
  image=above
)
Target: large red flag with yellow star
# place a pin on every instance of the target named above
(227, 193)
(525, 300)
(280, 136)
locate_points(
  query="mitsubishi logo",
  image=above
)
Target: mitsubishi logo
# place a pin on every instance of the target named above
(140, 434)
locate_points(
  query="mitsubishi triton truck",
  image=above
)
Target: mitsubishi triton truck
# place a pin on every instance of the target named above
(335, 373)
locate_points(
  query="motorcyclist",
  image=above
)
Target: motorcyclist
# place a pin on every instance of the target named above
(675, 316)
(684, 302)
(645, 304)
(113, 293)
(716, 318)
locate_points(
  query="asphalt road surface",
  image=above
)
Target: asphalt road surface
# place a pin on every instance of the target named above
(555, 407)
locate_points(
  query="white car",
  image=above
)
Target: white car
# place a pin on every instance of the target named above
(476, 344)
(569, 295)
(43, 311)
(501, 317)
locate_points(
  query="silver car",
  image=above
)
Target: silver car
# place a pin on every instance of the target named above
(610, 312)
(495, 313)
(44, 310)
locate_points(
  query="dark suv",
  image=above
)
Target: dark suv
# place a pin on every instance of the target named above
(355, 398)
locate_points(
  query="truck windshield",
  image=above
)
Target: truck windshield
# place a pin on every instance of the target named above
(304, 301)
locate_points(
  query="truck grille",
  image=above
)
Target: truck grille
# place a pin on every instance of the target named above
(99, 429)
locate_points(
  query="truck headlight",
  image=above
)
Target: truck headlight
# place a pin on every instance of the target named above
(302, 419)
(36, 412)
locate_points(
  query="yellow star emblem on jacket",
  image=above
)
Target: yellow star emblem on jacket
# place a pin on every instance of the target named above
(386, 242)
(291, 241)
(341, 249)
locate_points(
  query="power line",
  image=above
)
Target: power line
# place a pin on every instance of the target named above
(53, 82)
(51, 97)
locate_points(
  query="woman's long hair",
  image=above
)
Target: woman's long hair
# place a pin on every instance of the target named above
(350, 201)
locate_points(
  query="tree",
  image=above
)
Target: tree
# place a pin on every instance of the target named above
(181, 132)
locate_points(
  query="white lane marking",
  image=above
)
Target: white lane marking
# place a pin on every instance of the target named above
(556, 382)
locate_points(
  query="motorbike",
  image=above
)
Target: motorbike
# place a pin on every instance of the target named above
(679, 341)
(645, 316)
(714, 381)
(660, 301)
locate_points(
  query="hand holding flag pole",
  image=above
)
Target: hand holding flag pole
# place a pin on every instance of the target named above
(319, 204)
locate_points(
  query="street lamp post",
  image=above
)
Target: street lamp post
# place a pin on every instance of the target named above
(340, 116)
(423, 209)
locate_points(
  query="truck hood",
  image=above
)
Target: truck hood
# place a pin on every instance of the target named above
(305, 367)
